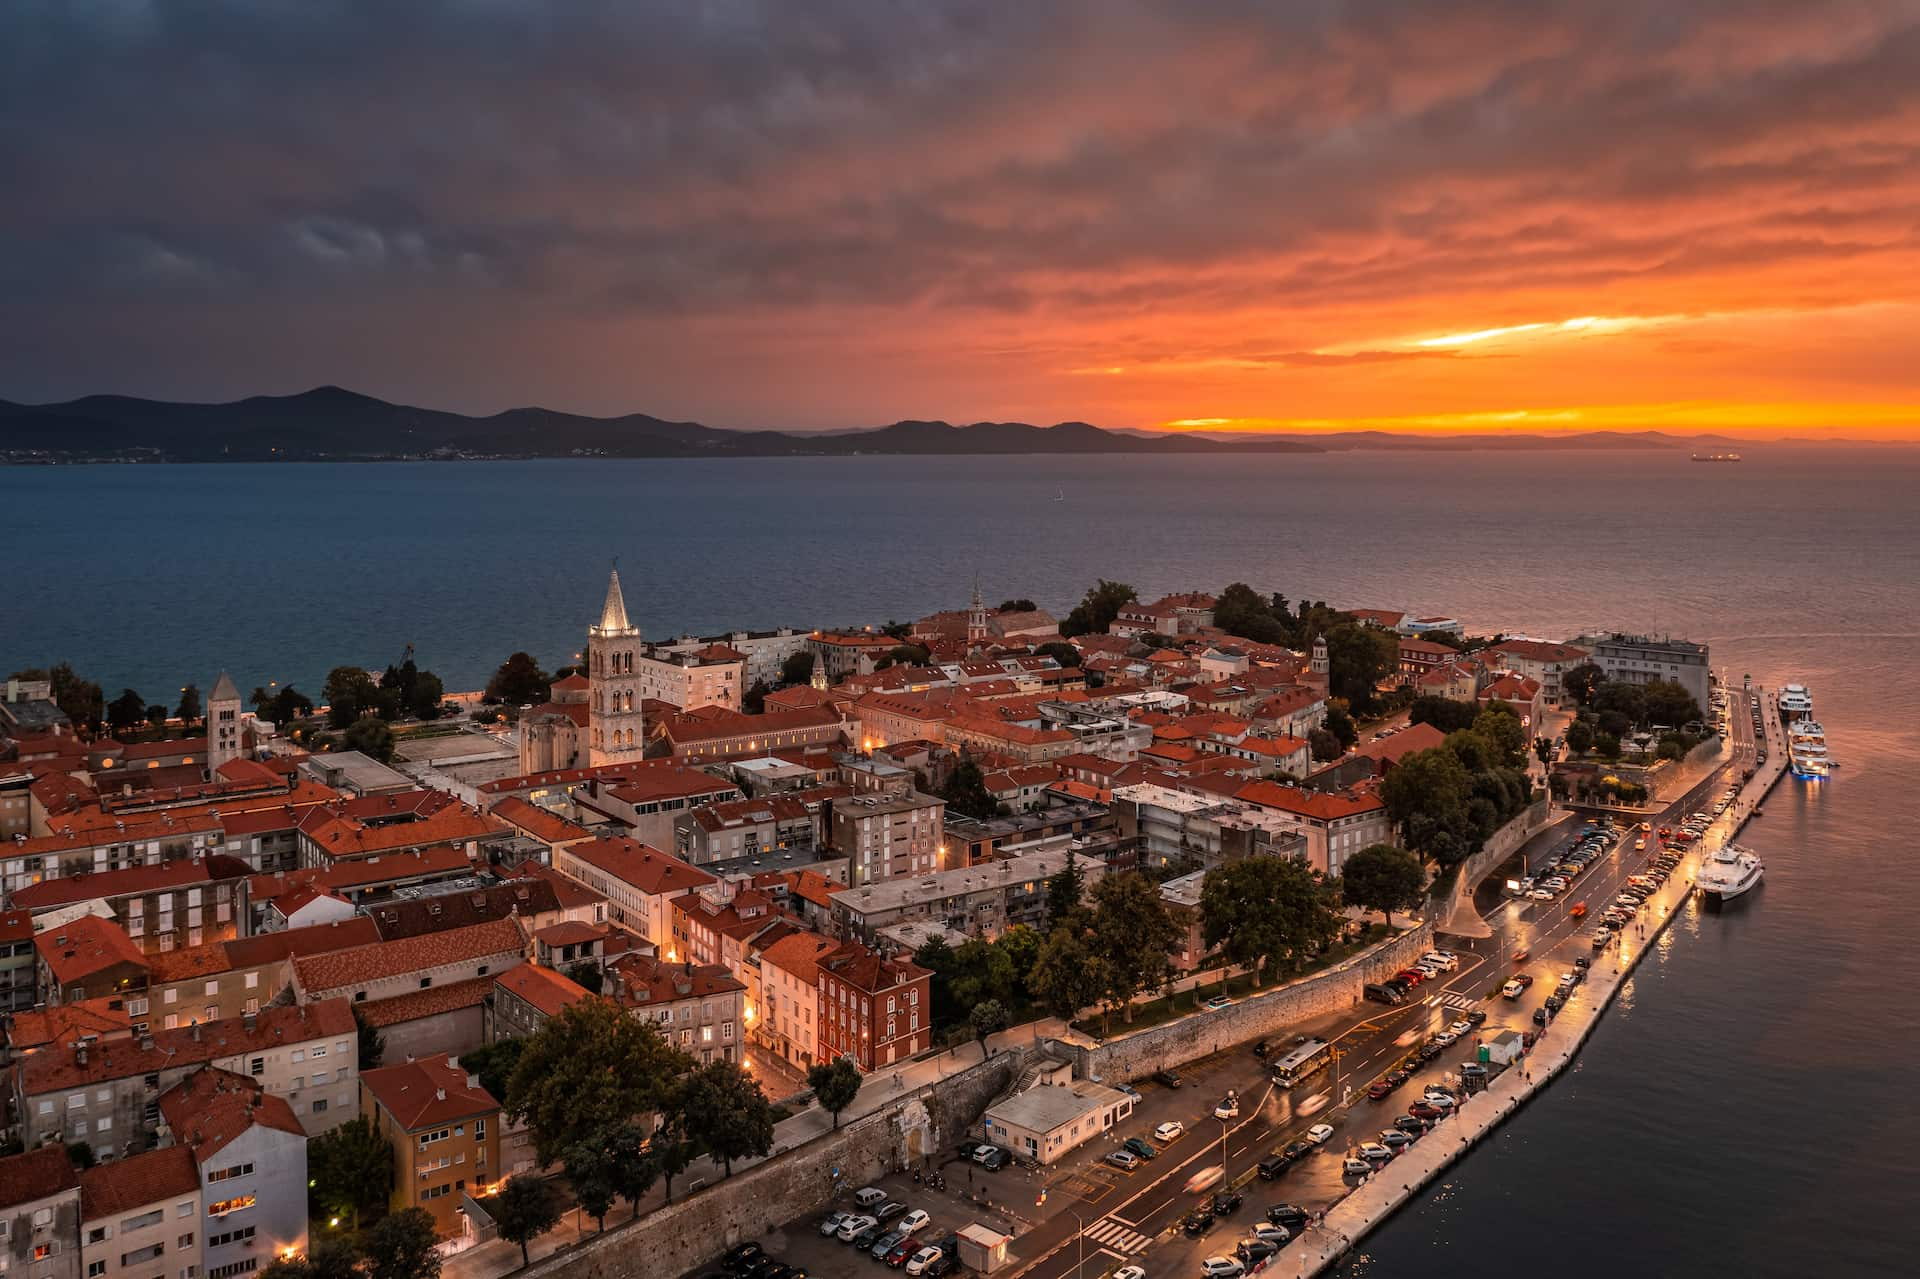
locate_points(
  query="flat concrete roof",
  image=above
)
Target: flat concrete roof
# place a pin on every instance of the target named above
(1045, 1107)
(894, 894)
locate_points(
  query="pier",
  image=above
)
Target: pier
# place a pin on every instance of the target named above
(1380, 1195)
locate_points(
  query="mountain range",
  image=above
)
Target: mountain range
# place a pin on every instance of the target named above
(332, 424)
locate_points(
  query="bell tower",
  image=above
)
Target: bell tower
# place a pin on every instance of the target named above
(977, 631)
(616, 730)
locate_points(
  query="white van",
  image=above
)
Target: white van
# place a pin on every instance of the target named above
(869, 1196)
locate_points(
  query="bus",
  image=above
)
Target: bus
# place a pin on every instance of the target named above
(1309, 1057)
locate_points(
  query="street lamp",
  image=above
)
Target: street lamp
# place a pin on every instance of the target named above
(1223, 1149)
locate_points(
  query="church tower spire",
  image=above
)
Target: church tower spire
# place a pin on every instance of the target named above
(616, 726)
(977, 615)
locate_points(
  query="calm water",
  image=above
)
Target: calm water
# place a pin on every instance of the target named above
(1746, 1109)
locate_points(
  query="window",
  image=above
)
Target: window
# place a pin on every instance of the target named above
(320, 1106)
(232, 1170)
(184, 1241)
(213, 987)
(253, 979)
(76, 1100)
(104, 1124)
(435, 1192)
(139, 1255)
(257, 1066)
(706, 1034)
(231, 1236)
(184, 1208)
(299, 1055)
(97, 1235)
(170, 996)
(479, 1130)
(221, 1207)
(95, 1268)
(233, 1268)
(437, 1134)
(41, 1251)
(319, 1051)
(425, 982)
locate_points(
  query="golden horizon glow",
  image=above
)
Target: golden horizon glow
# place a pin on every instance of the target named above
(1826, 421)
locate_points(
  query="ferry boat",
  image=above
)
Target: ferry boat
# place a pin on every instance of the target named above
(1716, 457)
(1796, 702)
(1730, 872)
(1807, 749)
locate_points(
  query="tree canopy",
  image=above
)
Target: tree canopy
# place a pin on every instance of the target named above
(404, 1245)
(1384, 878)
(524, 1209)
(587, 1070)
(1133, 935)
(1444, 713)
(351, 1168)
(519, 681)
(1096, 611)
(1067, 975)
(371, 736)
(1260, 910)
(724, 1107)
(835, 1084)
(797, 669)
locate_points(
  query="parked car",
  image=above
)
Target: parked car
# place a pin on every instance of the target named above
(915, 1221)
(1379, 1088)
(1226, 1201)
(743, 1255)
(1125, 1160)
(1167, 1078)
(868, 1196)
(1229, 1107)
(889, 1210)
(1140, 1148)
(1275, 1235)
(1319, 1134)
(1130, 1272)
(1254, 1251)
(1353, 1167)
(1412, 1125)
(1376, 1152)
(1424, 1110)
(901, 1253)
(1221, 1268)
(1169, 1131)
(1395, 1138)
(1478, 1017)
(1297, 1150)
(868, 1237)
(852, 1226)
(1289, 1215)
(831, 1223)
(885, 1244)
(1197, 1222)
(992, 1158)
(1216, 1003)
(1273, 1166)
(917, 1264)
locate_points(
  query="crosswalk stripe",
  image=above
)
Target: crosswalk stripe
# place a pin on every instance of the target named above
(1112, 1234)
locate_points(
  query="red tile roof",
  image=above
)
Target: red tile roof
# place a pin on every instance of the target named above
(670, 783)
(211, 1108)
(542, 987)
(647, 981)
(431, 1002)
(866, 970)
(1539, 651)
(344, 837)
(544, 825)
(427, 1093)
(103, 884)
(276, 1026)
(38, 1174)
(65, 1023)
(647, 869)
(343, 969)
(1316, 805)
(799, 954)
(82, 947)
(123, 1185)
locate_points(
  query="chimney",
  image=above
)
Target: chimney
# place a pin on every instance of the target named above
(439, 1094)
(196, 1032)
(473, 1080)
(80, 1053)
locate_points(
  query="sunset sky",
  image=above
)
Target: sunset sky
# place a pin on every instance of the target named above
(1462, 215)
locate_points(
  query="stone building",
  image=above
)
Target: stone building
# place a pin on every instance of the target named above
(616, 728)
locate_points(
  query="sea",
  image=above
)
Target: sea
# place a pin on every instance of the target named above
(1747, 1105)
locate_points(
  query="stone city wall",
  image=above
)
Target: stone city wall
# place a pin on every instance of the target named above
(1501, 844)
(794, 1184)
(1137, 1055)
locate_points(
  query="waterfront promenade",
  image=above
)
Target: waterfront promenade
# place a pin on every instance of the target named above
(1385, 1191)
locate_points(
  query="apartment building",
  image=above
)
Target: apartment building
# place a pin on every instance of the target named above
(979, 901)
(140, 1216)
(711, 675)
(40, 1215)
(890, 836)
(872, 1009)
(164, 906)
(699, 1008)
(638, 882)
(250, 1153)
(444, 1129)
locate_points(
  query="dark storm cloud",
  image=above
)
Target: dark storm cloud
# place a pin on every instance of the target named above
(215, 197)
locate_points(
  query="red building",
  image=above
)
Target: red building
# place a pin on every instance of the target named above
(874, 1010)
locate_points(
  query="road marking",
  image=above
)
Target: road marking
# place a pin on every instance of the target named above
(1111, 1234)
(1465, 1003)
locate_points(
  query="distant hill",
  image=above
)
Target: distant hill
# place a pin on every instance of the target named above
(332, 424)
(329, 423)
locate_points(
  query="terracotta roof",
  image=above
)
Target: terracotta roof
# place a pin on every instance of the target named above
(647, 869)
(438, 912)
(210, 1108)
(1511, 688)
(427, 1093)
(82, 947)
(646, 981)
(571, 682)
(275, 1026)
(669, 783)
(431, 1002)
(38, 1174)
(364, 872)
(1378, 616)
(123, 1185)
(542, 987)
(344, 837)
(866, 970)
(340, 970)
(64, 1023)
(799, 954)
(569, 893)
(103, 884)
(1317, 805)
(16, 925)
(1414, 737)
(695, 727)
(570, 932)
(313, 939)
(548, 827)
(1539, 651)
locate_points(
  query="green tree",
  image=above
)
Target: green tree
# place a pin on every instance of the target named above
(519, 681)
(987, 1019)
(1383, 878)
(328, 1259)
(1260, 909)
(1096, 611)
(1060, 651)
(1066, 895)
(404, 1245)
(966, 790)
(1475, 753)
(1607, 745)
(127, 711)
(754, 700)
(156, 719)
(587, 1070)
(1425, 794)
(524, 1209)
(80, 1155)
(1021, 945)
(636, 1166)
(1543, 750)
(372, 1044)
(722, 1106)
(1444, 713)
(1359, 657)
(835, 1084)
(672, 1152)
(1241, 610)
(1341, 725)
(797, 669)
(910, 654)
(189, 708)
(1017, 606)
(350, 693)
(1668, 703)
(494, 1064)
(1324, 746)
(589, 1167)
(1580, 682)
(1579, 737)
(1133, 934)
(1499, 724)
(587, 975)
(1067, 976)
(371, 736)
(351, 1169)
(936, 956)
(981, 971)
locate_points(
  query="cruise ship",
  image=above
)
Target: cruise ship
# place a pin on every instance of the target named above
(1807, 749)
(1730, 872)
(1795, 702)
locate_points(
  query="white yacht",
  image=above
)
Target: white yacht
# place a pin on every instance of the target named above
(1795, 702)
(1807, 749)
(1728, 872)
